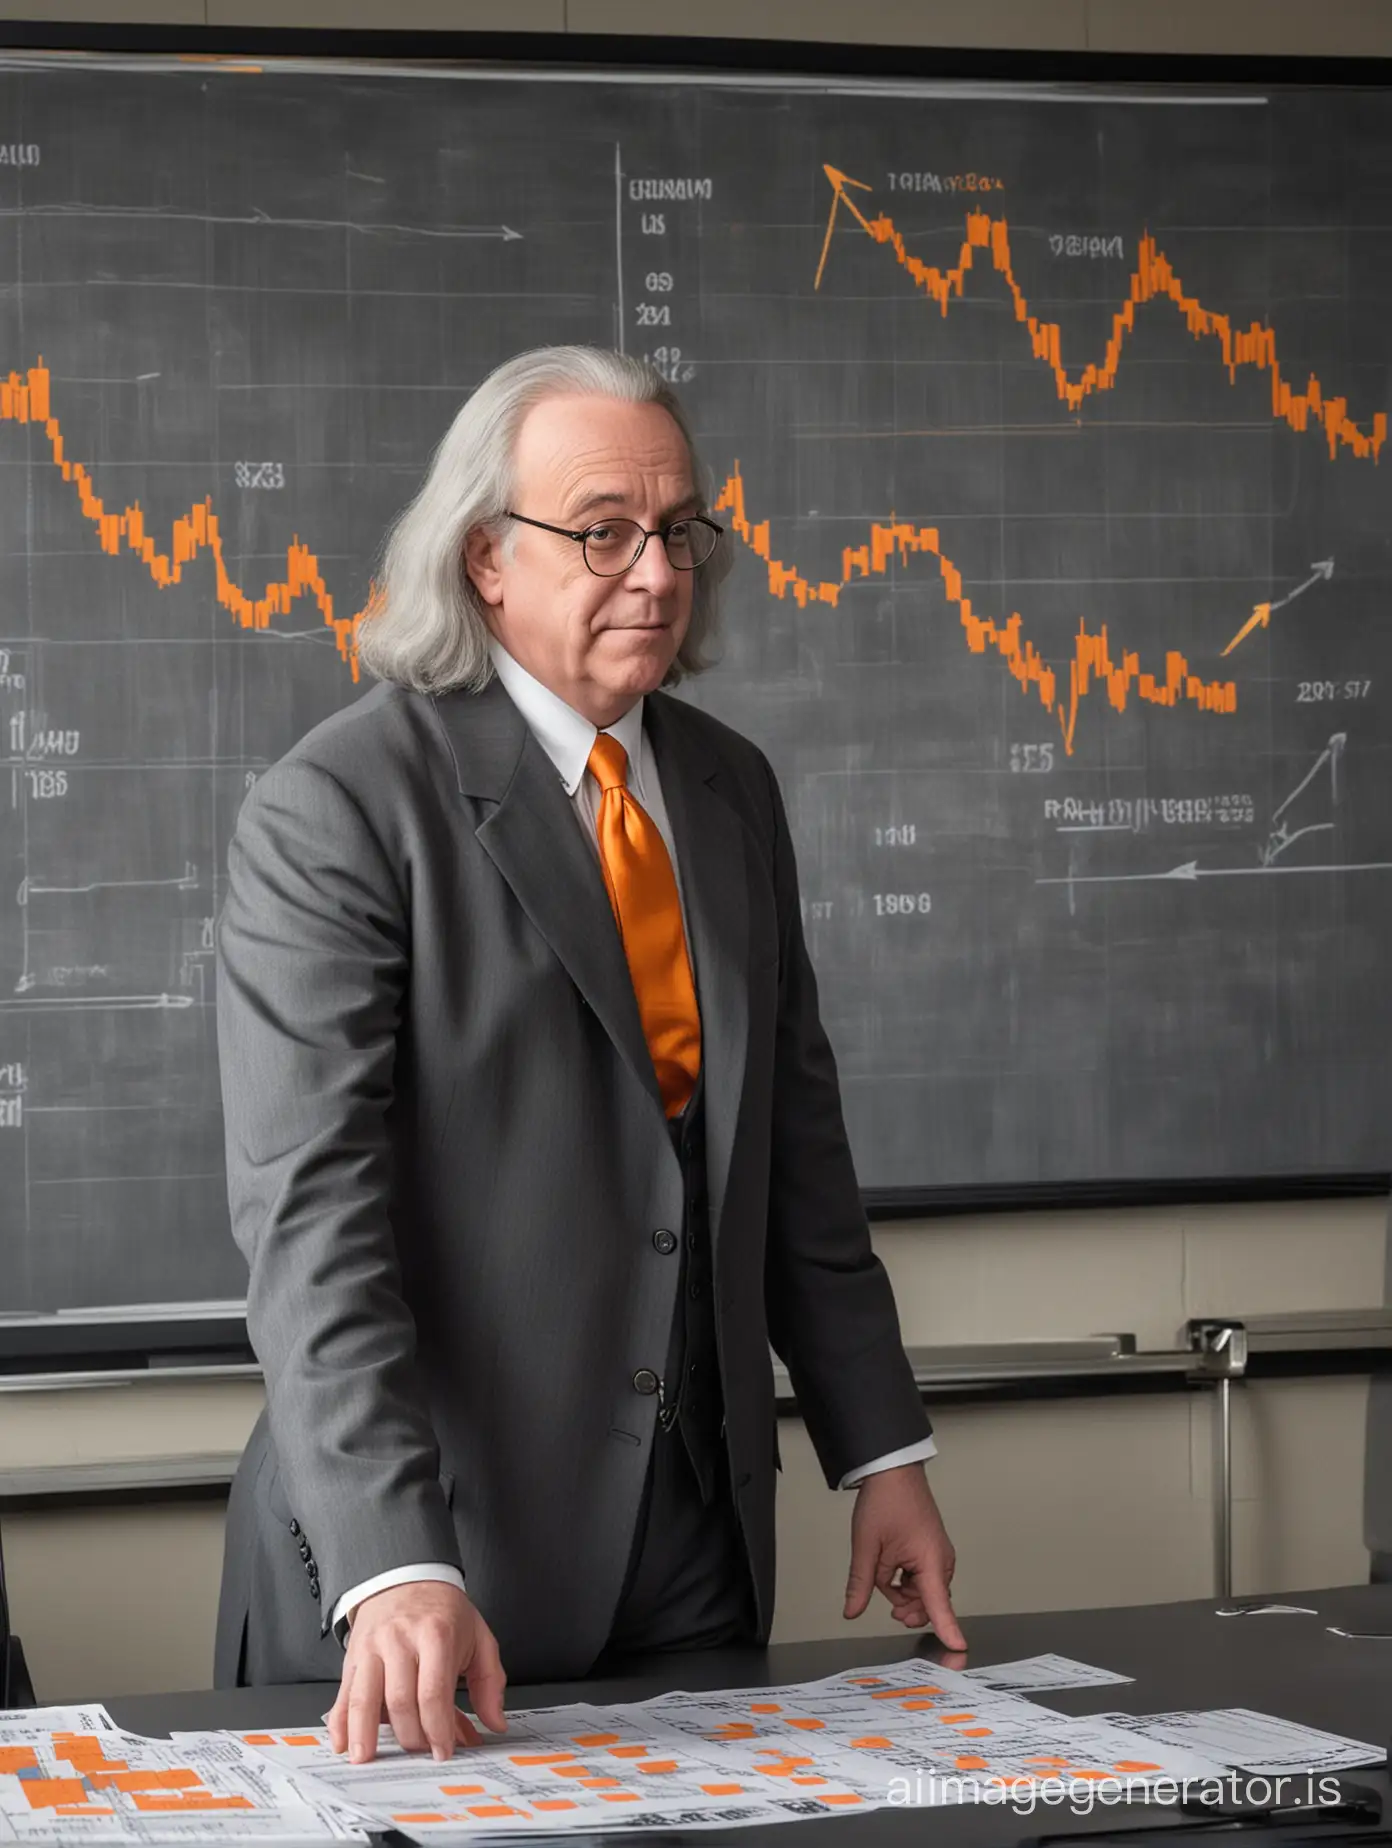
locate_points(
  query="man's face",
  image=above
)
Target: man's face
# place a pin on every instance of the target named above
(600, 643)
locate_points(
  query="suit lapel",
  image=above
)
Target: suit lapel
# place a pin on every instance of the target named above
(534, 840)
(710, 847)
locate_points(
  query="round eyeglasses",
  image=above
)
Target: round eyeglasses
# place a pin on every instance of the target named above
(612, 547)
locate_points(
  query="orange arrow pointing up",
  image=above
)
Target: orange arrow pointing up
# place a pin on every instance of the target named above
(1259, 619)
(839, 183)
(1261, 614)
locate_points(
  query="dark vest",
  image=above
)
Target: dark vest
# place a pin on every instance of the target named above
(691, 1393)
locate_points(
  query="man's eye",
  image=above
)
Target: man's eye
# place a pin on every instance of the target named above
(601, 535)
(679, 529)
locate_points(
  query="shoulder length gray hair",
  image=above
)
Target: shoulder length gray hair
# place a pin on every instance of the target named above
(424, 627)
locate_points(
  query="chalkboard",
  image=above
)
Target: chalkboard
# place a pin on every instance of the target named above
(1049, 427)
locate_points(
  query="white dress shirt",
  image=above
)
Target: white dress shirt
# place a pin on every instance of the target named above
(568, 739)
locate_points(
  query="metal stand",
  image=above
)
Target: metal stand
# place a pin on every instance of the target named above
(1223, 1346)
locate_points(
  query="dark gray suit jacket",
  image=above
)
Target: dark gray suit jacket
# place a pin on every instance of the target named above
(447, 1159)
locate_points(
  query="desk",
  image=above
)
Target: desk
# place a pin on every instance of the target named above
(1182, 1656)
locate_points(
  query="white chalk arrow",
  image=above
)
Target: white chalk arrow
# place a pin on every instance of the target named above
(1192, 870)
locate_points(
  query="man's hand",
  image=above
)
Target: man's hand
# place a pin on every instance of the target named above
(899, 1543)
(407, 1648)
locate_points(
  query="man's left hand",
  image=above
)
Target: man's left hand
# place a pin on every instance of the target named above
(899, 1543)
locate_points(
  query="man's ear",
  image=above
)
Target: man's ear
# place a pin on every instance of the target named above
(483, 560)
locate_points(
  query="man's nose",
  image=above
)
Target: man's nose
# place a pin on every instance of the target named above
(652, 570)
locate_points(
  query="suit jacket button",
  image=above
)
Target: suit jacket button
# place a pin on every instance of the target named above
(645, 1381)
(294, 1529)
(665, 1241)
(314, 1591)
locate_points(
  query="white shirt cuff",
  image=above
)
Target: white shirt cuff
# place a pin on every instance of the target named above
(912, 1453)
(399, 1575)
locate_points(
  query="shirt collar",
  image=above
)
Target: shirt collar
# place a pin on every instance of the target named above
(566, 736)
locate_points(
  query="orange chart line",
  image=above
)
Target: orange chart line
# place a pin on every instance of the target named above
(1154, 277)
(24, 399)
(1092, 659)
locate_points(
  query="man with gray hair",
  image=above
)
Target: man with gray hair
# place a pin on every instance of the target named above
(534, 1141)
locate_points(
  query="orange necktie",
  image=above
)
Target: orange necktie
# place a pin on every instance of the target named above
(643, 891)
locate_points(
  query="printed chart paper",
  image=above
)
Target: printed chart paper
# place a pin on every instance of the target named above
(908, 1735)
(1038, 1674)
(1254, 1742)
(917, 1742)
(573, 1767)
(844, 1709)
(68, 1775)
(90, 1717)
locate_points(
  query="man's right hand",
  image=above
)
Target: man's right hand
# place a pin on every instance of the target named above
(407, 1648)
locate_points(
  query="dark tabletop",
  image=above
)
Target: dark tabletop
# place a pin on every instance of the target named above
(1183, 1656)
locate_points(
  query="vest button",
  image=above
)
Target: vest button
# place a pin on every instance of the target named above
(645, 1381)
(664, 1241)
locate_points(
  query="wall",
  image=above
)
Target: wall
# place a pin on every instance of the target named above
(1075, 1503)
(1056, 1505)
(1347, 28)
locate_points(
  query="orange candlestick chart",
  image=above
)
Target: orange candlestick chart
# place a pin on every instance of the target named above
(1092, 660)
(1153, 278)
(25, 399)
(1092, 664)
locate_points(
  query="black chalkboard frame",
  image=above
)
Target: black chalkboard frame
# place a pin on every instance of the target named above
(675, 55)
